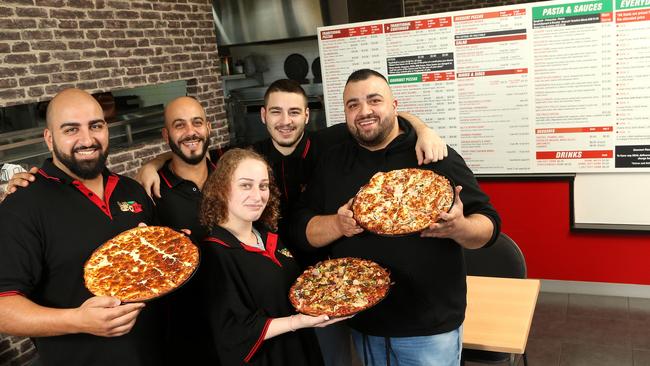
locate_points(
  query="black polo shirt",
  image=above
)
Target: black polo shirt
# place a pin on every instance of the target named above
(178, 208)
(179, 202)
(47, 231)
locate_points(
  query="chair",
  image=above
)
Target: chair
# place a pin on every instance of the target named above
(501, 259)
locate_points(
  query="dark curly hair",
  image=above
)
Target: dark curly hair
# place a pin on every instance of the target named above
(216, 191)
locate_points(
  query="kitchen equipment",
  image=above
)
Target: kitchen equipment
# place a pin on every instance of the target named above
(315, 70)
(296, 67)
(246, 21)
(243, 108)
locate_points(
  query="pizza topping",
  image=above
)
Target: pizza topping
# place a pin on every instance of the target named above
(339, 287)
(141, 264)
(402, 201)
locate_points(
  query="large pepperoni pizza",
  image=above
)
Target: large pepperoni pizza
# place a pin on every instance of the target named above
(141, 264)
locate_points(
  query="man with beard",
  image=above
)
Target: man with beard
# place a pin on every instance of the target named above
(420, 321)
(291, 151)
(187, 132)
(48, 231)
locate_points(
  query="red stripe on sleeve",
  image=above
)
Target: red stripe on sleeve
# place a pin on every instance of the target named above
(257, 344)
(11, 293)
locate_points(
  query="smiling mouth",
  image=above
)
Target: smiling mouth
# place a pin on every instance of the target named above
(286, 130)
(87, 151)
(192, 144)
(366, 122)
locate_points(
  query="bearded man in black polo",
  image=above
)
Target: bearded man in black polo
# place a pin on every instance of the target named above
(48, 230)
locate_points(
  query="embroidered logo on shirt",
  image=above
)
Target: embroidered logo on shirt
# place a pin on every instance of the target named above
(285, 252)
(131, 206)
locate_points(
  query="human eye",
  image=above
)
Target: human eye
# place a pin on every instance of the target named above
(264, 186)
(353, 106)
(70, 130)
(246, 185)
(97, 126)
(198, 123)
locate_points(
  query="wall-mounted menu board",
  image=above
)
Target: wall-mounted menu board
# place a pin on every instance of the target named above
(546, 87)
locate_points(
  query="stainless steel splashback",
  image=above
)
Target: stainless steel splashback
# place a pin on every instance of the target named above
(247, 21)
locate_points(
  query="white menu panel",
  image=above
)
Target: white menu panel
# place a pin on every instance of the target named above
(547, 87)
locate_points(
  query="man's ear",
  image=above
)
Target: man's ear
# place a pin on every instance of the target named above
(47, 136)
(307, 115)
(165, 134)
(263, 115)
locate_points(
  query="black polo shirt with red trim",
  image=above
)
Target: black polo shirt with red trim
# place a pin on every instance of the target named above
(178, 208)
(47, 232)
(244, 288)
(178, 205)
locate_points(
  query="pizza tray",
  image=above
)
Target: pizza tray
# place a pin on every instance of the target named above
(453, 194)
(153, 296)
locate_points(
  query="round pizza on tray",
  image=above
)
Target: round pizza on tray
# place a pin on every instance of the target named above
(339, 287)
(141, 264)
(402, 201)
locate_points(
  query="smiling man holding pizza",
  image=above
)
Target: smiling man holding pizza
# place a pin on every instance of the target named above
(420, 321)
(48, 231)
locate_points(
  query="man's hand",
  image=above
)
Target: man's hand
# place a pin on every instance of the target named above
(430, 147)
(21, 180)
(345, 221)
(104, 316)
(148, 177)
(451, 223)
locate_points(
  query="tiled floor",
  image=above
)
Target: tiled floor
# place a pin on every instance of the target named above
(587, 330)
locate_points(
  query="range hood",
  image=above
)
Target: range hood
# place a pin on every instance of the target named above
(250, 21)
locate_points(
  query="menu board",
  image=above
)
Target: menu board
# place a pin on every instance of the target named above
(546, 87)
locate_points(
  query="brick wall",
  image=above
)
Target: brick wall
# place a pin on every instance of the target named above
(420, 7)
(104, 45)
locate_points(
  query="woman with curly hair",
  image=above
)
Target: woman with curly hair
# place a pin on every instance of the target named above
(246, 272)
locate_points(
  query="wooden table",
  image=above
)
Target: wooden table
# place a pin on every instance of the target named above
(499, 313)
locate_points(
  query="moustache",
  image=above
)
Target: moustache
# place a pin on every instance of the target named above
(371, 115)
(192, 138)
(93, 146)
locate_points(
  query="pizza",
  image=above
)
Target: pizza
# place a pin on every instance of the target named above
(402, 201)
(339, 287)
(141, 264)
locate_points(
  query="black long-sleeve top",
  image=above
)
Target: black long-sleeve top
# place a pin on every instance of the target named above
(429, 292)
(244, 288)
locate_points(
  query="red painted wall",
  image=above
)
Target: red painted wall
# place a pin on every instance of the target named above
(535, 215)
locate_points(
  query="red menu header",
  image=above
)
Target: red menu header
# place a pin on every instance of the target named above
(351, 32)
(417, 24)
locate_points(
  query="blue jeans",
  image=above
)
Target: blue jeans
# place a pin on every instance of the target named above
(436, 350)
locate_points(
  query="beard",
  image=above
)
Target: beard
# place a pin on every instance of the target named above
(192, 160)
(376, 137)
(84, 169)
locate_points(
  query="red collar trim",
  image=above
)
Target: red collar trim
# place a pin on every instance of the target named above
(218, 241)
(269, 252)
(212, 164)
(165, 179)
(306, 150)
(111, 183)
(42, 172)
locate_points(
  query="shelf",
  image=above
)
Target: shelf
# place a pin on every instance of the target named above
(233, 77)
